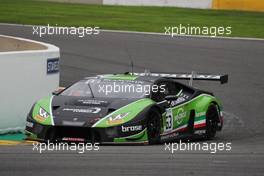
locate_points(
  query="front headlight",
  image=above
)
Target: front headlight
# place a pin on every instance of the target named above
(43, 113)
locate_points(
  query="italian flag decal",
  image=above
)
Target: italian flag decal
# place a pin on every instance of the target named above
(200, 123)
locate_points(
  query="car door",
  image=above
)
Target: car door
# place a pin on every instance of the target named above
(176, 115)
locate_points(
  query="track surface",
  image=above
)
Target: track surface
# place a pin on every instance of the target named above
(109, 52)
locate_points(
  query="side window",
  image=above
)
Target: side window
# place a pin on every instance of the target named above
(161, 93)
(166, 88)
(173, 89)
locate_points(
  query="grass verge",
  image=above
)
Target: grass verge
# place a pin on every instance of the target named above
(147, 19)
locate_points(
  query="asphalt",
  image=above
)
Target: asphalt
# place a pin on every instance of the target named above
(111, 52)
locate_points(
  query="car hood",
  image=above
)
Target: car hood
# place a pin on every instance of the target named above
(82, 111)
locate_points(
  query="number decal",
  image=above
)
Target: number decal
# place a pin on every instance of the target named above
(169, 120)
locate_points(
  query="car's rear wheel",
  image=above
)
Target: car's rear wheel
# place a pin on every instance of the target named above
(153, 126)
(211, 122)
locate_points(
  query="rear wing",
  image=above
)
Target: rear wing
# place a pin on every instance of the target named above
(187, 76)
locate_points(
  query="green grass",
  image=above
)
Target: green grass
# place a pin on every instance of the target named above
(148, 19)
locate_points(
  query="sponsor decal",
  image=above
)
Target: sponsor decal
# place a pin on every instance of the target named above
(92, 102)
(94, 110)
(42, 115)
(181, 99)
(39, 118)
(178, 129)
(170, 136)
(117, 119)
(52, 65)
(29, 124)
(180, 115)
(198, 76)
(199, 132)
(73, 139)
(131, 128)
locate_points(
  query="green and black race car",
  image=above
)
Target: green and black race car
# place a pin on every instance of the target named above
(127, 108)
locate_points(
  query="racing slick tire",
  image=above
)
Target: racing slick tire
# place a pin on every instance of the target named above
(211, 122)
(153, 126)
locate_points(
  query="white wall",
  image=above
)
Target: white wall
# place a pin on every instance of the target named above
(23, 80)
(204, 4)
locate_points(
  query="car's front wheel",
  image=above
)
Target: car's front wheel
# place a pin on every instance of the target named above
(153, 126)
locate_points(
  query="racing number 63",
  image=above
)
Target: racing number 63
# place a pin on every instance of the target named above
(169, 120)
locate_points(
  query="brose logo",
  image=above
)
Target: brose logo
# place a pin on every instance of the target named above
(131, 128)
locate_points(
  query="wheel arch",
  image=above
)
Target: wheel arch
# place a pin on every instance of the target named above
(200, 107)
(220, 116)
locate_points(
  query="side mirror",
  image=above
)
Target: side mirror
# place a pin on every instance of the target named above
(55, 92)
(171, 97)
(58, 91)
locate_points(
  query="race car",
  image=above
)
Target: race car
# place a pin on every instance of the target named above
(146, 108)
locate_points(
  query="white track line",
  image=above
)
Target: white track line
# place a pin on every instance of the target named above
(148, 33)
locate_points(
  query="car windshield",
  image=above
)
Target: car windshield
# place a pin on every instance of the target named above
(109, 89)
